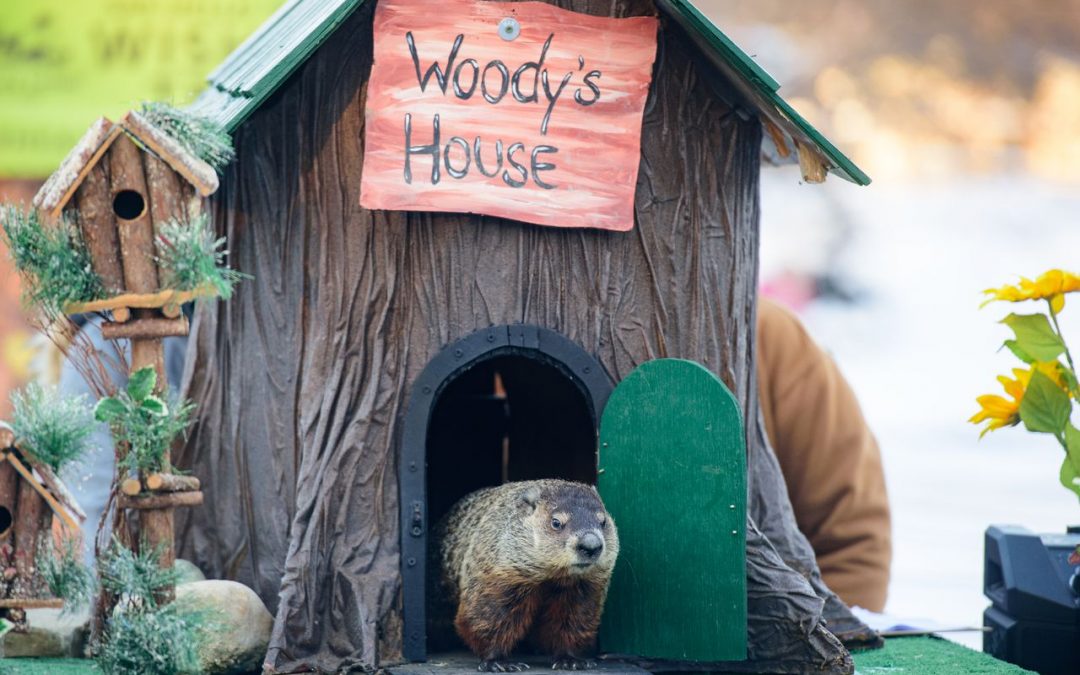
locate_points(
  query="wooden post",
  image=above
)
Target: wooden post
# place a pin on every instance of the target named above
(155, 525)
(162, 198)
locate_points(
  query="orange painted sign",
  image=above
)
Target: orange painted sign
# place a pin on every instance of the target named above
(512, 109)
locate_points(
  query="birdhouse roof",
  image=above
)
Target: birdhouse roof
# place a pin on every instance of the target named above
(61, 185)
(243, 82)
(43, 479)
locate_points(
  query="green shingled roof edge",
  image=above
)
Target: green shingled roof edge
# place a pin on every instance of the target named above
(231, 106)
(765, 85)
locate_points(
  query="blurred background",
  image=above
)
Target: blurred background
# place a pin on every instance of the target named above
(966, 114)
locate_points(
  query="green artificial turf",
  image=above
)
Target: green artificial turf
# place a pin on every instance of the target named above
(929, 656)
(901, 656)
(48, 667)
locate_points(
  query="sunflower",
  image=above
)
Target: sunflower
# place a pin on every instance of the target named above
(1005, 412)
(1051, 285)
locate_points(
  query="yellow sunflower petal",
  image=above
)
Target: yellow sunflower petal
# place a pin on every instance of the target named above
(1057, 303)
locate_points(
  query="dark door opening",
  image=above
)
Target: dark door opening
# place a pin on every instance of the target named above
(507, 418)
(505, 404)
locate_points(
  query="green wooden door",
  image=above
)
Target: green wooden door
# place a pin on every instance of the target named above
(673, 476)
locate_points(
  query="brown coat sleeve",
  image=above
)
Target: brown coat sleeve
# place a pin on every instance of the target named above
(830, 460)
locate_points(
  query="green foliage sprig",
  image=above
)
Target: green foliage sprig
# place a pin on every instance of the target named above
(163, 641)
(191, 257)
(54, 261)
(53, 429)
(143, 637)
(64, 573)
(135, 578)
(144, 422)
(202, 137)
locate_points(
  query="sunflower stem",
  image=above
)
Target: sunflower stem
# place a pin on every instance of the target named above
(1068, 355)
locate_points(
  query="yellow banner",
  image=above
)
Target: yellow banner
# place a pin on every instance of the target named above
(63, 63)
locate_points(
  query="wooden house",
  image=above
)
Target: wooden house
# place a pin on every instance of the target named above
(384, 362)
(32, 497)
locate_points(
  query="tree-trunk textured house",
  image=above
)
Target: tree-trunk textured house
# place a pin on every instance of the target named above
(306, 378)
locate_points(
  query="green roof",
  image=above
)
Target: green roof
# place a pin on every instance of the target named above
(273, 52)
(268, 57)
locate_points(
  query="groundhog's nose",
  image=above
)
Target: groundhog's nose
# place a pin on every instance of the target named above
(589, 545)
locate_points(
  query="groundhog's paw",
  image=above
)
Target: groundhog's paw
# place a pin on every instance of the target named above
(572, 663)
(497, 666)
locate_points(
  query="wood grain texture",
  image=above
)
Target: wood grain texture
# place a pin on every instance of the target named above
(166, 199)
(673, 464)
(152, 327)
(302, 378)
(93, 201)
(163, 502)
(167, 482)
(32, 518)
(9, 485)
(136, 234)
(580, 102)
(31, 603)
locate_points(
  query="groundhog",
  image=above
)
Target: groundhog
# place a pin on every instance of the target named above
(528, 561)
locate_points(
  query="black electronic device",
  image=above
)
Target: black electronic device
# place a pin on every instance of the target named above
(1033, 581)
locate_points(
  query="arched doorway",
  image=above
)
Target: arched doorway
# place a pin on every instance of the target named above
(505, 403)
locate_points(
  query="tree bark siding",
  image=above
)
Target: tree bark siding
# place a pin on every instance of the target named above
(32, 516)
(302, 378)
(9, 482)
(136, 234)
(166, 198)
(93, 200)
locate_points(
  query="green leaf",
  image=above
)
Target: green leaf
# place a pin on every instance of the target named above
(1072, 446)
(142, 383)
(1014, 347)
(154, 406)
(1045, 407)
(1035, 336)
(108, 409)
(1069, 477)
(1069, 377)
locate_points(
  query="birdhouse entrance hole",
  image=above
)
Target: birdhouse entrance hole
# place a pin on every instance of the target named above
(503, 404)
(128, 204)
(5, 521)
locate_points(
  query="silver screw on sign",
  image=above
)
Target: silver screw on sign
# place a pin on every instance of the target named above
(509, 28)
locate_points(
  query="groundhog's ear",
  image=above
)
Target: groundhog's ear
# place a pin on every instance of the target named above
(531, 498)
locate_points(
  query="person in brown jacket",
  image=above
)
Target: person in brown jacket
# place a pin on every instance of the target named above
(829, 458)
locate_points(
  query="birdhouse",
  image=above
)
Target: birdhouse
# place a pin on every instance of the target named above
(495, 241)
(32, 498)
(121, 183)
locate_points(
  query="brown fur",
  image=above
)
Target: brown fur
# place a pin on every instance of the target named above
(513, 576)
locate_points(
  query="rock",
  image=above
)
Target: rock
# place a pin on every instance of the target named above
(241, 634)
(187, 572)
(51, 634)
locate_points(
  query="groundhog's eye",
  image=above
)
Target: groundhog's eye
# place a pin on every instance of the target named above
(556, 524)
(603, 521)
